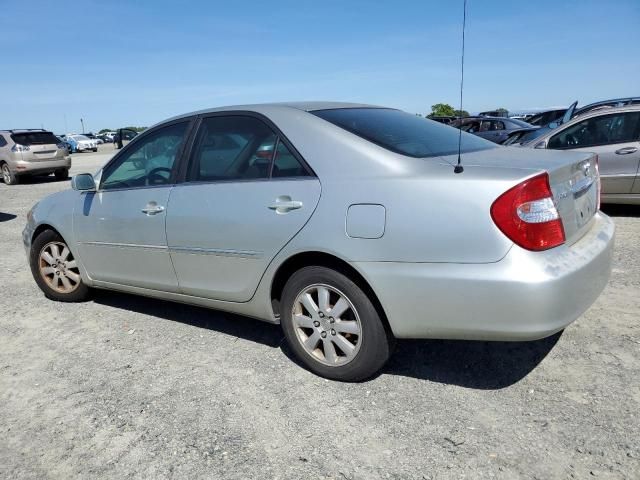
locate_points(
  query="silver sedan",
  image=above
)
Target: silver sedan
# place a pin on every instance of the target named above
(344, 223)
(611, 133)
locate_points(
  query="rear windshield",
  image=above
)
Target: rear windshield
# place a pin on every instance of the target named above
(34, 138)
(402, 132)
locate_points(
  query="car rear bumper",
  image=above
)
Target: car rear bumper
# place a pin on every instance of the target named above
(41, 166)
(525, 296)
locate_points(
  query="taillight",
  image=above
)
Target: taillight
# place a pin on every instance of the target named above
(528, 215)
(20, 148)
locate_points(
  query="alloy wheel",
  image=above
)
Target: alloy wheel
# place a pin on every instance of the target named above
(58, 267)
(327, 325)
(6, 174)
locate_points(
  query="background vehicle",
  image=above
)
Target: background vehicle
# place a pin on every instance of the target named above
(379, 251)
(442, 119)
(495, 129)
(32, 152)
(515, 136)
(614, 135)
(544, 118)
(123, 136)
(81, 143)
(63, 140)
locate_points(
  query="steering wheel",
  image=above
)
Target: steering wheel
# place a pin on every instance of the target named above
(154, 177)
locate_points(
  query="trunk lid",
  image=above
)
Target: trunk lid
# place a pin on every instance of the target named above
(573, 177)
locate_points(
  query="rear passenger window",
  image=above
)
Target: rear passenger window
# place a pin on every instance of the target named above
(3, 142)
(232, 148)
(286, 164)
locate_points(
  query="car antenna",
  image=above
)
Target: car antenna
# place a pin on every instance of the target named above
(459, 168)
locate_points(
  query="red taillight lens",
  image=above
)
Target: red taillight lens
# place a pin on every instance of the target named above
(527, 215)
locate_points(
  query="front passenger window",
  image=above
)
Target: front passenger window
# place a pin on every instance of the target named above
(148, 162)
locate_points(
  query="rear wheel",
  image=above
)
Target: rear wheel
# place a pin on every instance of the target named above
(332, 326)
(61, 174)
(8, 176)
(95, 149)
(55, 269)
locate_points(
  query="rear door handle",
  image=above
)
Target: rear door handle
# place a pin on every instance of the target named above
(627, 150)
(284, 204)
(153, 208)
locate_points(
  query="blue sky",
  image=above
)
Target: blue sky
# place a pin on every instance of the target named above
(118, 63)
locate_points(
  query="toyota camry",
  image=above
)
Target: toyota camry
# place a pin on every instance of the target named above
(349, 225)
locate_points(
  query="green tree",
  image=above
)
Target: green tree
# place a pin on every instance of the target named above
(461, 113)
(442, 110)
(502, 110)
(105, 130)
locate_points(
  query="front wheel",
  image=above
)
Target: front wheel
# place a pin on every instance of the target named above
(55, 269)
(95, 149)
(332, 326)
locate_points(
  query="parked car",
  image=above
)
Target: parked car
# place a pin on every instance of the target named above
(442, 119)
(614, 135)
(544, 118)
(495, 129)
(356, 233)
(515, 137)
(62, 140)
(81, 143)
(32, 152)
(495, 113)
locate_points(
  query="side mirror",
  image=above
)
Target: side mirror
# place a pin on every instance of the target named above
(541, 145)
(83, 182)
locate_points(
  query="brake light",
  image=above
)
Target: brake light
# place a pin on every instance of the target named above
(528, 216)
(20, 148)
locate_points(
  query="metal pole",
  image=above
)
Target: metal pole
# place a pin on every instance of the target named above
(82, 122)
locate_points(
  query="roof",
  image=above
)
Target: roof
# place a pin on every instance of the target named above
(308, 106)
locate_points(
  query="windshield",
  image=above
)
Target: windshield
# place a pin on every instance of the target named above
(79, 137)
(34, 138)
(403, 133)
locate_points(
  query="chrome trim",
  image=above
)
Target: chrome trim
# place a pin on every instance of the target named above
(126, 245)
(216, 251)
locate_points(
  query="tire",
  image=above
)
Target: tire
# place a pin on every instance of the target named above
(95, 149)
(357, 323)
(9, 177)
(52, 284)
(62, 174)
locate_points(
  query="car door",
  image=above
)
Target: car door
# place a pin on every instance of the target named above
(246, 194)
(120, 228)
(614, 137)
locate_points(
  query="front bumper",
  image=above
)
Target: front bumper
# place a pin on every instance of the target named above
(525, 296)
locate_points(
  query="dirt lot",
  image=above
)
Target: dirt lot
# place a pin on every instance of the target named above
(130, 387)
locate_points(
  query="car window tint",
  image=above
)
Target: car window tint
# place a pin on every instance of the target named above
(3, 142)
(232, 148)
(602, 130)
(285, 164)
(403, 133)
(149, 161)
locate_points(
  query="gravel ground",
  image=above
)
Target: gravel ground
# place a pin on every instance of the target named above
(122, 386)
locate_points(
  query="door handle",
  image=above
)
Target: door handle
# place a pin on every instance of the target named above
(284, 204)
(153, 208)
(626, 150)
